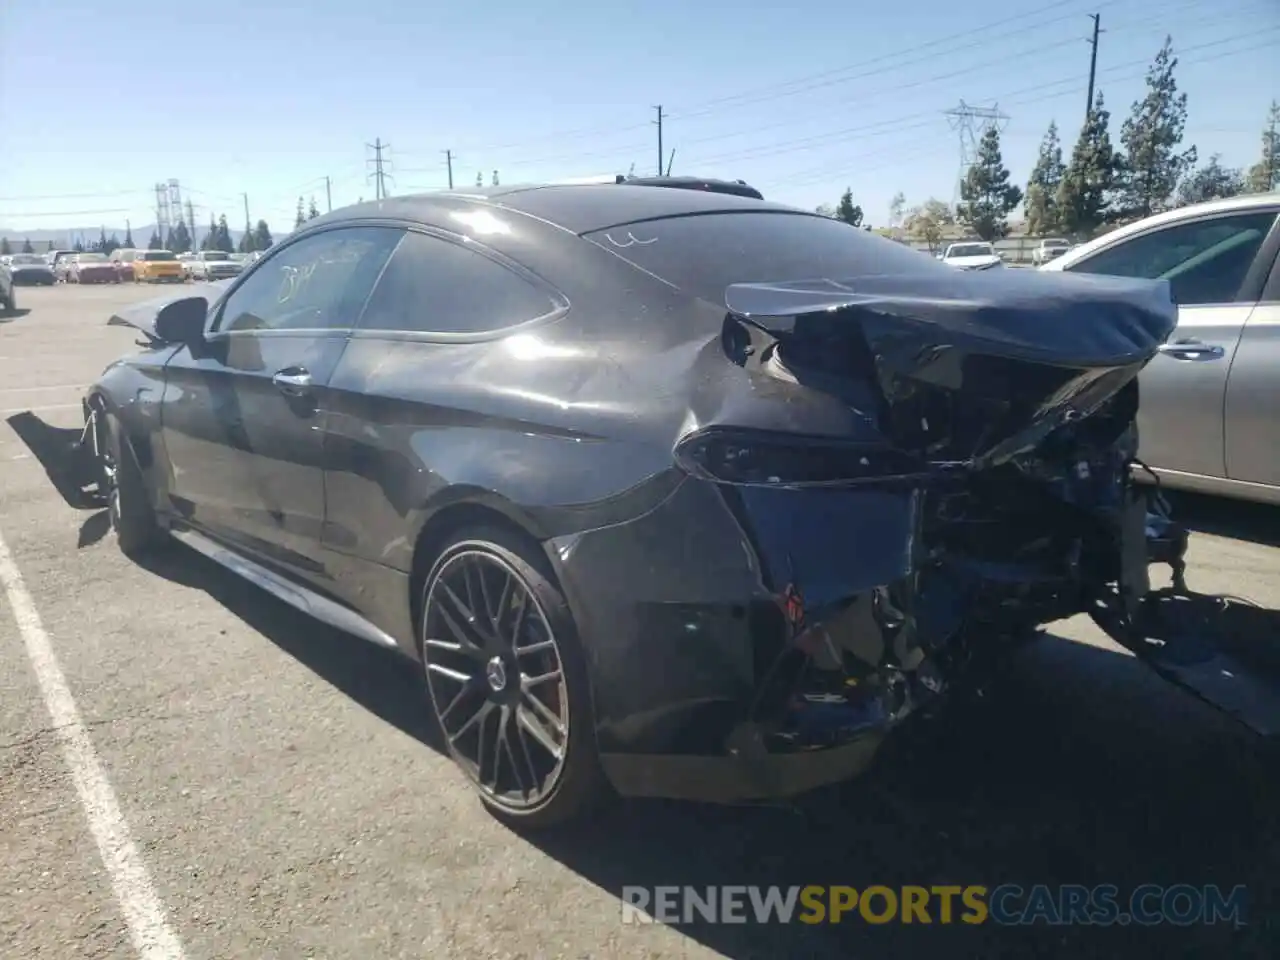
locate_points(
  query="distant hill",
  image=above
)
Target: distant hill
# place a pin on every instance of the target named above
(66, 239)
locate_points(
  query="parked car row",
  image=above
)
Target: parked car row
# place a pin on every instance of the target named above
(123, 266)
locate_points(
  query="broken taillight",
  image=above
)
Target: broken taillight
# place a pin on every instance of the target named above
(762, 458)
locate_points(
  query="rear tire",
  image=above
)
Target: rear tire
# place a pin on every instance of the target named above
(538, 733)
(9, 303)
(128, 501)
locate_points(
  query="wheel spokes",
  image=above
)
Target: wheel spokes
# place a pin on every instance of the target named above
(494, 669)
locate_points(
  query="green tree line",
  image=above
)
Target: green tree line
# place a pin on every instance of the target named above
(1101, 183)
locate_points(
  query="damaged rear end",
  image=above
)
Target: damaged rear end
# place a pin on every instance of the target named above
(929, 467)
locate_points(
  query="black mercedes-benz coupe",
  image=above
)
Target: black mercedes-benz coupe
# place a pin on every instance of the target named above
(671, 492)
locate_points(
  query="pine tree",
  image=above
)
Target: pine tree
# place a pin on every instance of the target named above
(1264, 176)
(1090, 175)
(1153, 165)
(313, 211)
(223, 242)
(128, 238)
(1211, 182)
(27, 247)
(78, 248)
(113, 244)
(1040, 207)
(101, 245)
(300, 218)
(5, 249)
(155, 243)
(179, 238)
(262, 236)
(847, 210)
(988, 196)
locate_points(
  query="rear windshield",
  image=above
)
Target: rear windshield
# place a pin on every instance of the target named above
(158, 255)
(703, 254)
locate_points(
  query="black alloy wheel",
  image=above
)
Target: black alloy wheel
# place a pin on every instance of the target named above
(508, 681)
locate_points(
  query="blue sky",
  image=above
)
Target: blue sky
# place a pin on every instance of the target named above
(99, 102)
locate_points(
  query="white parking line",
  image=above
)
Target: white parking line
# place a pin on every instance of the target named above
(60, 386)
(143, 912)
(43, 406)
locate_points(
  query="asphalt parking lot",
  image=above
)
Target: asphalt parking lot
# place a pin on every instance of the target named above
(239, 781)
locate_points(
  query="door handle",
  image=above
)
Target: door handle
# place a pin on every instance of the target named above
(1192, 350)
(293, 381)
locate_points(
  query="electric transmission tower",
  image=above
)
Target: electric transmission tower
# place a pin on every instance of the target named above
(972, 123)
(381, 166)
(162, 210)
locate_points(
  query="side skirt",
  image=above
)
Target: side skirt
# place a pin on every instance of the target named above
(296, 595)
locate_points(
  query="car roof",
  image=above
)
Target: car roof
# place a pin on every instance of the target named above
(1240, 204)
(580, 208)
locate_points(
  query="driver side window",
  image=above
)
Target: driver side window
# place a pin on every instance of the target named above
(318, 283)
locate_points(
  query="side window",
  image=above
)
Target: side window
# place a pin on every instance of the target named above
(1205, 262)
(318, 283)
(436, 286)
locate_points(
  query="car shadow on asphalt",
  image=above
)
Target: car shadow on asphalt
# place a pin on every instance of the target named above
(1078, 766)
(58, 451)
(1237, 519)
(383, 682)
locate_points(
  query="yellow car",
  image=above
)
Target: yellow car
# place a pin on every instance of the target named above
(157, 266)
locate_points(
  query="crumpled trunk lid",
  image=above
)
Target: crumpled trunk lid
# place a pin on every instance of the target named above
(971, 368)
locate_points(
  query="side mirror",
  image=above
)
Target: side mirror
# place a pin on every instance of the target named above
(183, 321)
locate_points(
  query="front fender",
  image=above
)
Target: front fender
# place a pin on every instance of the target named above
(130, 391)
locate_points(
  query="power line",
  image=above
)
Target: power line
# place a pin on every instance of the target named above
(889, 90)
(897, 88)
(78, 196)
(771, 91)
(72, 213)
(824, 172)
(929, 116)
(819, 81)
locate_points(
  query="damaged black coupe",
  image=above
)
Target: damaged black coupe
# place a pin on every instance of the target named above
(669, 492)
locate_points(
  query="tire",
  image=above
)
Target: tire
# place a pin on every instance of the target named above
(8, 303)
(132, 516)
(574, 784)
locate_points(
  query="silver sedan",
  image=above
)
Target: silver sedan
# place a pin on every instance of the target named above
(1210, 414)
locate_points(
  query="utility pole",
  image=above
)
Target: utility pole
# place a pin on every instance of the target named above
(191, 222)
(661, 116)
(379, 171)
(248, 224)
(448, 161)
(1093, 62)
(1271, 154)
(328, 194)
